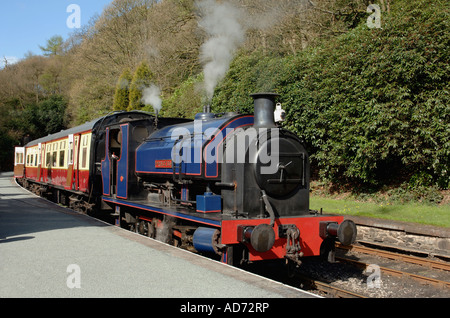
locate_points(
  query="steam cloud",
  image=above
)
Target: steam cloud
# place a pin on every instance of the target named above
(151, 96)
(226, 34)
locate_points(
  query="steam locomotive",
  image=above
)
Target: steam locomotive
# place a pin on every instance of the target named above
(230, 185)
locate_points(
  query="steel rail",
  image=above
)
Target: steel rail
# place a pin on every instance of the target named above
(328, 288)
(399, 273)
(396, 256)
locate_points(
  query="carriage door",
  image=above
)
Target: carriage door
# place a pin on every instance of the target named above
(122, 163)
(41, 155)
(106, 166)
(19, 163)
(69, 177)
(115, 164)
(76, 154)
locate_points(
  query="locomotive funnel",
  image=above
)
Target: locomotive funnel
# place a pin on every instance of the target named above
(264, 104)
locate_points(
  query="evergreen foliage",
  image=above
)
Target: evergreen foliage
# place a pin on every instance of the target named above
(142, 78)
(41, 119)
(186, 101)
(372, 105)
(122, 93)
(54, 46)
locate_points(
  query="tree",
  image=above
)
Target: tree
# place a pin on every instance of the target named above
(51, 115)
(142, 78)
(26, 76)
(54, 46)
(7, 143)
(51, 80)
(372, 105)
(186, 101)
(122, 94)
(100, 51)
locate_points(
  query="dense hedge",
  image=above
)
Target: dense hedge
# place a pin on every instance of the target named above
(372, 105)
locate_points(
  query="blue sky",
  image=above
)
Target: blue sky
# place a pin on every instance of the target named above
(26, 24)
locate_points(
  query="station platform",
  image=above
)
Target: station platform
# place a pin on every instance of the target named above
(48, 251)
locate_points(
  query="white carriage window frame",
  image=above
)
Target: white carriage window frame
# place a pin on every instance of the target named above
(62, 154)
(19, 158)
(39, 162)
(84, 151)
(70, 149)
(48, 155)
(55, 154)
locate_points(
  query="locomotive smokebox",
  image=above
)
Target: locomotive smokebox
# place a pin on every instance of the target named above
(264, 104)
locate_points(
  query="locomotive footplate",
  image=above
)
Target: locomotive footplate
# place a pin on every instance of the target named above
(210, 219)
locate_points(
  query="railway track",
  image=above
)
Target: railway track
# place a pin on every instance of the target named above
(406, 259)
(401, 275)
(327, 289)
(397, 256)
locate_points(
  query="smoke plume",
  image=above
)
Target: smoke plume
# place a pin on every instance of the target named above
(225, 34)
(151, 96)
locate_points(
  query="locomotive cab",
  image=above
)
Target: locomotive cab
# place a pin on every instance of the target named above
(116, 154)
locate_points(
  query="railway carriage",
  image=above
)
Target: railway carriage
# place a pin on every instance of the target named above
(59, 161)
(65, 165)
(230, 185)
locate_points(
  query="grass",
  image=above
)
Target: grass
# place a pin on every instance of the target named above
(437, 215)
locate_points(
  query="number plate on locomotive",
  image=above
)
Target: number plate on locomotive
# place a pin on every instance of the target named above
(161, 164)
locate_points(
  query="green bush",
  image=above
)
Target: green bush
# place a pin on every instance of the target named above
(7, 143)
(372, 105)
(41, 119)
(249, 73)
(186, 101)
(122, 93)
(142, 78)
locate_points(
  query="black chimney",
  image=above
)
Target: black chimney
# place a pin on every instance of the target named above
(264, 110)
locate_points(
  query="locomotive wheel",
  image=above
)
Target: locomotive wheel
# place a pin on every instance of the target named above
(151, 229)
(142, 227)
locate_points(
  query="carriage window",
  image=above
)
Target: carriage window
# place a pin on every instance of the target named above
(39, 156)
(47, 156)
(83, 163)
(70, 152)
(19, 158)
(76, 154)
(54, 157)
(84, 151)
(61, 158)
(62, 152)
